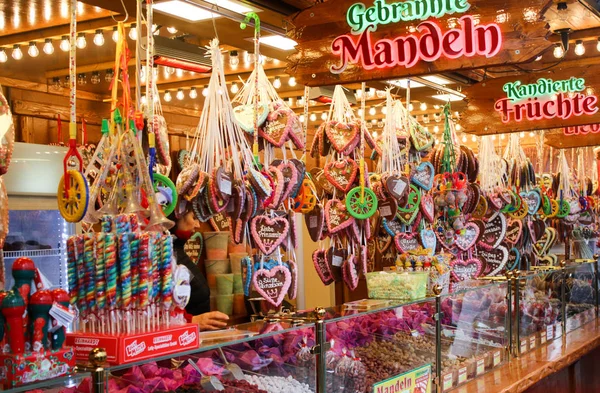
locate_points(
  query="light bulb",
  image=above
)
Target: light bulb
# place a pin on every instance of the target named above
(205, 92)
(48, 47)
(193, 93)
(464, 139)
(502, 136)
(179, 72)
(522, 135)
(558, 51)
(167, 97)
(302, 118)
(277, 83)
(234, 59)
(532, 134)
(384, 110)
(458, 127)
(473, 138)
(64, 43)
(358, 93)
(33, 50)
(375, 134)
(411, 107)
(423, 106)
(290, 102)
(56, 82)
(579, 48)
(144, 100)
(373, 121)
(324, 116)
(493, 137)
(426, 118)
(372, 111)
(313, 117)
(234, 88)
(17, 54)
(380, 94)
(3, 56)
(95, 79)
(360, 112)
(180, 94)
(81, 41)
(115, 34)
(133, 32)
(99, 38)
(436, 129)
(109, 75)
(371, 92)
(81, 79)
(172, 30)
(292, 81)
(300, 101)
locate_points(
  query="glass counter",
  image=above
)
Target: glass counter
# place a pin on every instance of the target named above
(475, 332)
(66, 384)
(580, 295)
(539, 318)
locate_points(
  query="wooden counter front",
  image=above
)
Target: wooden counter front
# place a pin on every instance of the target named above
(529, 372)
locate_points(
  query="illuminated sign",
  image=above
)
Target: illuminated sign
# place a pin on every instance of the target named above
(582, 130)
(468, 40)
(381, 13)
(546, 99)
(416, 380)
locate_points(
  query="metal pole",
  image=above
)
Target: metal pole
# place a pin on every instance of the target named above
(595, 284)
(509, 282)
(320, 350)
(97, 358)
(437, 291)
(517, 314)
(563, 295)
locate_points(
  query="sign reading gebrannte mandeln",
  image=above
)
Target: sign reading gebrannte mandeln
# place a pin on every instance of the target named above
(560, 98)
(342, 41)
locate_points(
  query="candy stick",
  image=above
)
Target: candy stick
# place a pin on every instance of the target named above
(110, 254)
(166, 272)
(134, 239)
(72, 270)
(145, 264)
(156, 282)
(134, 222)
(81, 299)
(125, 276)
(107, 224)
(100, 278)
(88, 261)
(121, 223)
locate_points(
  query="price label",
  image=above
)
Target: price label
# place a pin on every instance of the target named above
(337, 261)
(447, 382)
(385, 211)
(558, 331)
(313, 221)
(523, 345)
(462, 375)
(542, 338)
(549, 332)
(497, 358)
(532, 342)
(480, 367)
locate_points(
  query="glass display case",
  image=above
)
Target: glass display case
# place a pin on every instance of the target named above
(581, 294)
(66, 384)
(539, 317)
(475, 332)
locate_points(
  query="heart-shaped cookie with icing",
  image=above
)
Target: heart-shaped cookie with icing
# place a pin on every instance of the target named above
(315, 220)
(428, 207)
(423, 175)
(268, 233)
(406, 242)
(467, 237)
(336, 216)
(466, 270)
(343, 136)
(341, 173)
(272, 284)
(350, 273)
(278, 126)
(244, 116)
(319, 258)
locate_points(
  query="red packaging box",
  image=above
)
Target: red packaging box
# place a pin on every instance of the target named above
(140, 346)
(17, 370)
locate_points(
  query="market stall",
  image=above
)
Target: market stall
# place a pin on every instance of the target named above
(299, 196)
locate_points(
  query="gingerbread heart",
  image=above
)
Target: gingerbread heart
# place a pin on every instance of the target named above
(343, 136)
(467, 237)
(495, 260)
(272, 284)
(383, 241)
(293, 291)
(392, 227)
(397, 186)
(290, 179)
(315, 220)
(245, 118)
(513, 231)
(220, 222)
(428, 240)
(408, 212)
(466, 270)
(406, 242)
(388, 208)
(423, 175)
(533, 200)
(278, 127)
(494, 231)
(268, 233)
(341, 173)
(319, 258)
(428, 207)
(336, 216)
(350, 273)
(514, 257)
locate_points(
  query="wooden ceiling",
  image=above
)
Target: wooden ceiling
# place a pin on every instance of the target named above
(23, 21)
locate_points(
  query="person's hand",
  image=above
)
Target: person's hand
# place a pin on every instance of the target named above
(213, 320)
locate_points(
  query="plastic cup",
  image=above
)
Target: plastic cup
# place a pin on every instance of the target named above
(238, 284)
(212, 281)
(216, 245)
(219, 266)
(213, 303)
(236, 261)
(225, 304)
(224, 284)
(239, 305)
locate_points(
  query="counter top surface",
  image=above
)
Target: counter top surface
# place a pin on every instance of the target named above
(520, 374)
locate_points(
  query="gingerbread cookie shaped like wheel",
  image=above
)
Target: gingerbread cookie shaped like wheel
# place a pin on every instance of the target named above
(73, 204)
(359, 206)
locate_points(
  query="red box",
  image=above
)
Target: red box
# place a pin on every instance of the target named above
(132, 348)
(17, 370)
